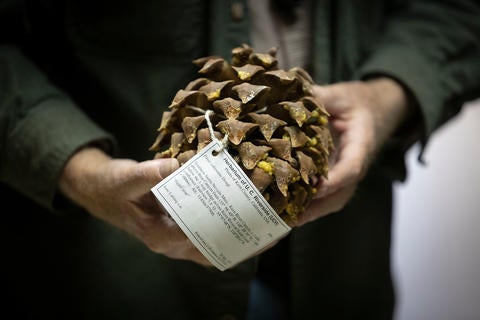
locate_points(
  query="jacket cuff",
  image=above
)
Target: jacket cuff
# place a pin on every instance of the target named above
(42, 142)
(417, 75)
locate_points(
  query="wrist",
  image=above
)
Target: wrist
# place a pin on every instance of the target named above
(393, 107)
(79, 174)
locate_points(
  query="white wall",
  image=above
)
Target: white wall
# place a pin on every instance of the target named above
(436, 243)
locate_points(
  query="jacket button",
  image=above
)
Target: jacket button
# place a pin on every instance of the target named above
(237, 11)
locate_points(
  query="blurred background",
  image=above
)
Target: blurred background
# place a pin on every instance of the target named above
(436, 240)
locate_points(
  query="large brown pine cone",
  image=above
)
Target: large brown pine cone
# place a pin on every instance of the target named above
(277, 132)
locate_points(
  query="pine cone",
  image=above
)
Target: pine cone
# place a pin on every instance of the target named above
(277, 131)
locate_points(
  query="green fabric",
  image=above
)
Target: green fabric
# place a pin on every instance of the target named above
(226, 33)
(41, 128)
(433, 50)
(75, 72)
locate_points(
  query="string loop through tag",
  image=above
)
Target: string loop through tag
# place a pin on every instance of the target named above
(224, 141)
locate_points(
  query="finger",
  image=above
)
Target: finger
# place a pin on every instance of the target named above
(145, 175)
(195, 255)
(325, 94)
(167, 167)
(178, 242)
(171, 230)
(187, 251)
(162, 235)
(322, 207)
(154, 227)
(154, 171)
(347, 170)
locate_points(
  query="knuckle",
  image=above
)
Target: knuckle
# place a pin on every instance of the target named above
(144, 229)
(142, 171)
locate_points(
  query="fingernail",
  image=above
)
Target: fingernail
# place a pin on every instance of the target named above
(167, 166)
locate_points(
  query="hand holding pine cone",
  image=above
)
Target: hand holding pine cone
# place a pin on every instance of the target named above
(277, 131)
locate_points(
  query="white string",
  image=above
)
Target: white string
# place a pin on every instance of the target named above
(224, 141)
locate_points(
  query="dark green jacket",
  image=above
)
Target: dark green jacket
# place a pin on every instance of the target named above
(73, 72)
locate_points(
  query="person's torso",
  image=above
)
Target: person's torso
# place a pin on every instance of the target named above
(123, 61)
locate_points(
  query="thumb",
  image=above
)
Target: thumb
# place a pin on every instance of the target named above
(152, 172)
(167, 166)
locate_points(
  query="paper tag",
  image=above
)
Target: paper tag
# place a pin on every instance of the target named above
(219, 209)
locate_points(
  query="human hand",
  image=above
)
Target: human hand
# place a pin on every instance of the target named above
(364, 114)
(118, 192)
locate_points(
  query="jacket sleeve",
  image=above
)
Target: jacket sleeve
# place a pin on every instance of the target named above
(40, 126)
(433, 49)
